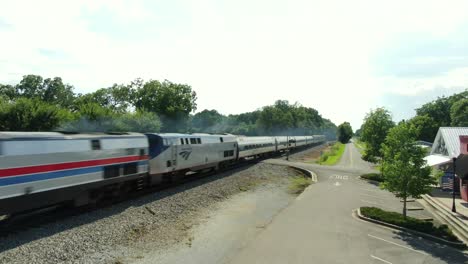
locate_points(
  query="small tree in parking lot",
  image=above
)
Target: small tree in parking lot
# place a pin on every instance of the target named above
(403, 166)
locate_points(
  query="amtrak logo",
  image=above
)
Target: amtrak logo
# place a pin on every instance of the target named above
(185, 154)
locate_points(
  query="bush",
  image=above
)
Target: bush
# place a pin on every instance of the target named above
(298, 184)
(411, 223)
(373, 177)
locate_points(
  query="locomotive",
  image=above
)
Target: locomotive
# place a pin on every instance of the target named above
(40, 169)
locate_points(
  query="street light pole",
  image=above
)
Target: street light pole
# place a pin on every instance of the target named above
(453, 190)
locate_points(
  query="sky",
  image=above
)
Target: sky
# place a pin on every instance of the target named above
(342, 58)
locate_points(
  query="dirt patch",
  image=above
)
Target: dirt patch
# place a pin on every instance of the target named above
(309, 155)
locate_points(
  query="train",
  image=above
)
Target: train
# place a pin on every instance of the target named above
(42, 169)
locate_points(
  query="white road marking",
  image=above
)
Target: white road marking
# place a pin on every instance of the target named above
(337, 184)
(396, 244)
(383, 260)
(339, 177)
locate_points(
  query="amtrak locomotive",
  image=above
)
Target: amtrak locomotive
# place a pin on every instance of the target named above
(39, 169)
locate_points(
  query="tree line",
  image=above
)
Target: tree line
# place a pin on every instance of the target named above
(38, 104)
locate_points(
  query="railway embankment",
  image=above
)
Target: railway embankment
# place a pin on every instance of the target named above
(130, 230)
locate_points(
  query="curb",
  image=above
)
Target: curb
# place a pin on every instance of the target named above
(371, 181)
(459, 245)
(308, 173)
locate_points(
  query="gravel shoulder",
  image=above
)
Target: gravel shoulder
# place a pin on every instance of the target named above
(129, 229)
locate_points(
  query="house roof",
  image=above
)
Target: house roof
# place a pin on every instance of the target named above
(447, 141)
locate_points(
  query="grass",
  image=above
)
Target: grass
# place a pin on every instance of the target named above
(361, 146)
(373, 177)
(298, 184)
(397, 219)
(333, 155)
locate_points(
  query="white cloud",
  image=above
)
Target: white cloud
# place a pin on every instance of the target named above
(237, 55)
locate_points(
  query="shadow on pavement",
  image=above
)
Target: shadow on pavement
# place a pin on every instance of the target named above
(443, 252)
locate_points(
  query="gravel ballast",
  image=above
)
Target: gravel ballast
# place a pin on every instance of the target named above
(115, 232)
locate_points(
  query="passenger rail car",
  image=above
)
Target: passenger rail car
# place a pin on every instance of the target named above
(38, 169)
(256, 146)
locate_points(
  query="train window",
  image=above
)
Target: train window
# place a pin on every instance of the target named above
(221, 139)
(111, 171)
(228, 153)
(142, 152)
(193, 141)
(198, 140)
(130, 168)
(95, 144)
(168, 163)
(186, 141)
(181, 141)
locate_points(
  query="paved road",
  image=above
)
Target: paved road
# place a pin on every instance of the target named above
(319, 227)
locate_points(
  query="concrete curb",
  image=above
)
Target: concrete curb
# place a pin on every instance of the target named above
(309, 173)
(459, 245)
(371, 181)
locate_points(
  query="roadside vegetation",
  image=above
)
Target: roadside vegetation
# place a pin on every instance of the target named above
(345, 132)
(45, 104)
(298, 184)
(361, 146)
(333, 155)
(398, 219)
(373, 177)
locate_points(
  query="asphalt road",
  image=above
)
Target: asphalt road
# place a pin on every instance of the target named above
(319, 226)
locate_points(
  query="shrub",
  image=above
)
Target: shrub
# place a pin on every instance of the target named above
(373, 177)
(409, 222)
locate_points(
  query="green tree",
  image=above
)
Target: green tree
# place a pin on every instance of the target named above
(403, 166)
(376, 125)
(207, 121)
(8, 92)
(31, 115)
(345, 132)
(31, 86)
(58, 93)
(172, 102)
(425, 127)
(439, 111)
(143, 122)
(459, 113)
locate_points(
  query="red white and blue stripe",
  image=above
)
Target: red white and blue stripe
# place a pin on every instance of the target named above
(10, 176)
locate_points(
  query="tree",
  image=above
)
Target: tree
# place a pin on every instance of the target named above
(425, 127)
(8, 92)
(172, 102)
(440, 112)
(376, 125)
(31, 115)
(459, 113)
(345, 132)
(403, 166)
(207, 121)
(58, 93)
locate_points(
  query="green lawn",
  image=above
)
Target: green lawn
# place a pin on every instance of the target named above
(361, 146)
(333, 155)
